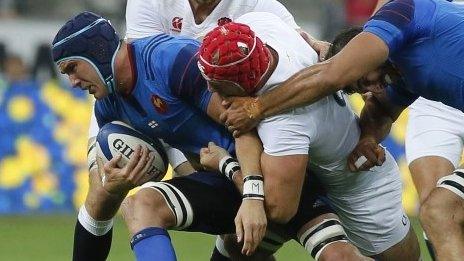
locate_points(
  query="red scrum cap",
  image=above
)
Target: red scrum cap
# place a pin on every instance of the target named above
(233, 52)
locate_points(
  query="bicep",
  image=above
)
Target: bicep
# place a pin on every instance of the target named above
(289, 168)
(364, 53)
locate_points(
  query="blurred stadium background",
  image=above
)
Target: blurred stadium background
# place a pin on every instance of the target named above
(44, 123)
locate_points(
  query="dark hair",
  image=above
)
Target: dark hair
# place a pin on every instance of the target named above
(342, 39)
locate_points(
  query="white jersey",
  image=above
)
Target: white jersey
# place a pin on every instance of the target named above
(368, 203)
(149, 17)
(327, 129)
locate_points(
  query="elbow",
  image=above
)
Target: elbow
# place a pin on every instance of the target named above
(281, 213)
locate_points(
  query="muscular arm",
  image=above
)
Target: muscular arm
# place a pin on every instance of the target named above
(100, 204)
(377, 117)
(362, 54)
(284, 176)
(248, 147)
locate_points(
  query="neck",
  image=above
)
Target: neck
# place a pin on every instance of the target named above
(273, 61)
(201, 9)
(123, 70)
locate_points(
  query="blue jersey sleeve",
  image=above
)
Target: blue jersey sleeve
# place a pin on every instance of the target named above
(400, 96)
(185, 79)
(393, 23)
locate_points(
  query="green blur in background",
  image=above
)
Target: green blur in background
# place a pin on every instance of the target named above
(50, 238)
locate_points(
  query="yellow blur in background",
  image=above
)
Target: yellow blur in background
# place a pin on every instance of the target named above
(43, 166)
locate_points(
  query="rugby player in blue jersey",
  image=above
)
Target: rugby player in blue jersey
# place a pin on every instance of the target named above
(153, 84)
(409, 48)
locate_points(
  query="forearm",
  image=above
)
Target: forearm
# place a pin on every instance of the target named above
(248, 148)
(100, 204)
(374, 121)
(303, 88)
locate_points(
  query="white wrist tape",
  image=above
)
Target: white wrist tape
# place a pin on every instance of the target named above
(253, 187)
(92, 156)
(95, 227)
(229, 166)
(360, 161)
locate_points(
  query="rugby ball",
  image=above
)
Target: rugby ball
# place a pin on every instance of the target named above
(120, 138)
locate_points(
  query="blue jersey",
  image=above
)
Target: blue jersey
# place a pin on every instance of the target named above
(426, 43)
(169, 98)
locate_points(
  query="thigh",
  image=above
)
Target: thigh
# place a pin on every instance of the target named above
(201, 202)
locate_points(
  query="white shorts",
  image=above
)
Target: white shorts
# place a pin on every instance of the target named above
(369, 205)
(434, 129)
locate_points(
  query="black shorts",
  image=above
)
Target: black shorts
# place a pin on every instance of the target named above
(208, 202)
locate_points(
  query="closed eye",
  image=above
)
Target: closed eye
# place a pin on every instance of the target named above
(69, 68)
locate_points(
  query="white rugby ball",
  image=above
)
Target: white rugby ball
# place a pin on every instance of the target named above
(118, 137)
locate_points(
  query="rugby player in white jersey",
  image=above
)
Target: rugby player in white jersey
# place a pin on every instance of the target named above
(192, 18)
(368, 202)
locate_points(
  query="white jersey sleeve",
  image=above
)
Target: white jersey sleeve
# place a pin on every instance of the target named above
(277, 8)
(143, 19)
(93, 127)
(175, 156)
(286, 134)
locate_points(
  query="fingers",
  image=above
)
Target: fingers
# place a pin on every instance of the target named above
(146, 174)
(203, 152)
(238, 229)
(114, 161)
(365, 156)
(137, 172)
(380, 151)
(223, 117)
(370, 159)
(236, 133)
(247, 239)
(211, 145)
(109, 167)
(134, 159)
(226, 102)
(100, 167)
(258, 234)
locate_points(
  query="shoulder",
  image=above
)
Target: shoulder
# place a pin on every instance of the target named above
(399, 13)
(163, 49)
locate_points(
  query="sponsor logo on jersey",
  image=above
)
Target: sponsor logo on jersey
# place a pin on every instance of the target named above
(177, 24)
(223, 20)
(159, 104)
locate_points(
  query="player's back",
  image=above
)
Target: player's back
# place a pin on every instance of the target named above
(426, 43)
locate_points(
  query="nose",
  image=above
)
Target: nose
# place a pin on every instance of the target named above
(74, 80)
